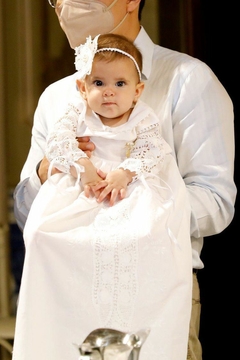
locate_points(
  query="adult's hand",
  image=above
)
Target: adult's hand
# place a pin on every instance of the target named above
(86, 145)
(43, 170)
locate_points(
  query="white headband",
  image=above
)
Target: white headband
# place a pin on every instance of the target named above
(84, 55)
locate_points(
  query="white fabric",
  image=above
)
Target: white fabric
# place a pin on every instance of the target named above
(136, 145)
(196, 116)
(88, 265)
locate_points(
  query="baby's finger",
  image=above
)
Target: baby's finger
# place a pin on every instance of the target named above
(87, 190)
(104, 193)
(102, 184)
(101, 174)
(123, 193)
(96, 193)
(114, 195)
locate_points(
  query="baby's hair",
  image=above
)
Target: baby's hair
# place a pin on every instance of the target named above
(119, 42)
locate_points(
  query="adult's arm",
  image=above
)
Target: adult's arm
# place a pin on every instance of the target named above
(51, 105)
(203, 126)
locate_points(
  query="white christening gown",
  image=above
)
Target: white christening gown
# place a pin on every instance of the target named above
(88, 265)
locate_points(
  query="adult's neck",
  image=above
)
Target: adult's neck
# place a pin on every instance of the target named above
(130, 27)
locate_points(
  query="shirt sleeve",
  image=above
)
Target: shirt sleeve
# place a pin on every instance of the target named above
(29, 184)
(203, 129)
(24, 194)
(51, 105)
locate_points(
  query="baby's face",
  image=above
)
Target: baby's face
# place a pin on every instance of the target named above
(112, 87)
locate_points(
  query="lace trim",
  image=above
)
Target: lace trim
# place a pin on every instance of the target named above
(146, 153)
(62, 145)
(115, 283)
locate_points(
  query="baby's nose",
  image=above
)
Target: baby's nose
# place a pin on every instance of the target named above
(108, 92)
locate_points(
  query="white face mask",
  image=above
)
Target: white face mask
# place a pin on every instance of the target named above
(81, 18)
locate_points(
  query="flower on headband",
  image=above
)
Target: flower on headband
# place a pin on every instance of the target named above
(84, 55)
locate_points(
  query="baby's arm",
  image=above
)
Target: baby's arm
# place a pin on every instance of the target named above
(63, 153)
(144, 156)
(62, 146)
(89, 178)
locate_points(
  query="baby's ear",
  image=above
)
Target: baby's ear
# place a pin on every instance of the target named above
(139, 90)
(81, 87)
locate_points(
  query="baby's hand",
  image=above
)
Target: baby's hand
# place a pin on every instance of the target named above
(91, 184)
(114, 186)
(89, 178)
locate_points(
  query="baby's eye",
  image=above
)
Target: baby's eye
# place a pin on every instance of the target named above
(98, 83)
(120, 83)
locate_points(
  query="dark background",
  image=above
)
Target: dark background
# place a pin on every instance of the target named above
(208, 30)
(219, 281)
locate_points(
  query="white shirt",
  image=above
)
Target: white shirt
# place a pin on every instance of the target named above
(196, 116)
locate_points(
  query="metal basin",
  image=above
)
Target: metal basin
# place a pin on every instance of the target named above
(110, 344)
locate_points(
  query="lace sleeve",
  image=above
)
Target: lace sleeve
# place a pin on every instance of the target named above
(146, 154)
(62, 147)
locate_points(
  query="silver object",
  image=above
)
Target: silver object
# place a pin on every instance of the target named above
(110, 344)
(52, 3)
